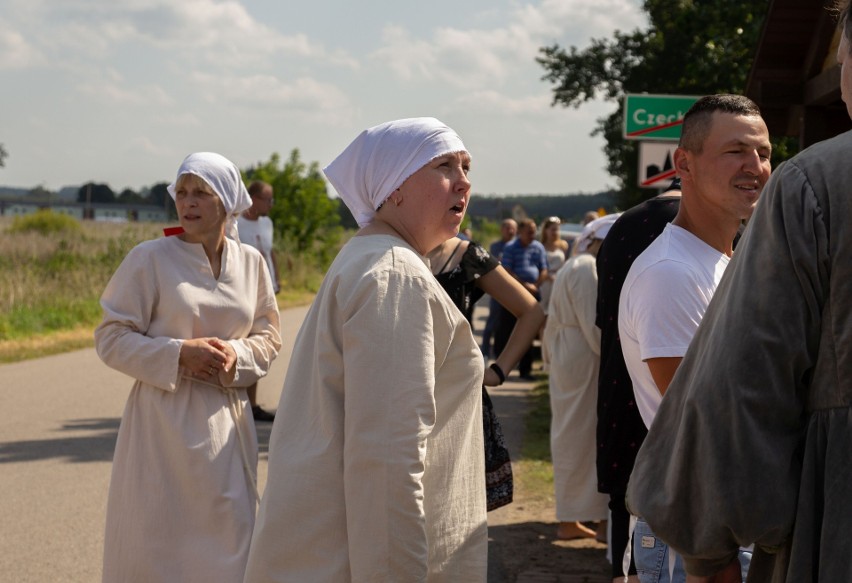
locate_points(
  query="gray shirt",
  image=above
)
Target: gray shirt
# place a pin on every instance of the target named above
(752, 441)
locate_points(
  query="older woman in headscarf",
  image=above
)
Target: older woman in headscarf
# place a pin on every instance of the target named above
(192, 318)
(574, 344)
(375, 459)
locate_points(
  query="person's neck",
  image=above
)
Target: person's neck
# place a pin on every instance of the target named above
(213, 245)
(250, 214)
(715, 230)
(440, 256)
(381, 226)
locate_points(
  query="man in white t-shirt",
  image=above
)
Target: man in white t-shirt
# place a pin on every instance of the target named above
(255, 229)
(723, 163)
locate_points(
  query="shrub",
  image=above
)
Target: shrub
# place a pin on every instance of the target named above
(45, 222)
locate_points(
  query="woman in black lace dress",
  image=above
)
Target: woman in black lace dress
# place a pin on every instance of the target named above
(467, 271)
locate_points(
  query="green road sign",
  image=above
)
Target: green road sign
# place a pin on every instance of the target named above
(655, 117)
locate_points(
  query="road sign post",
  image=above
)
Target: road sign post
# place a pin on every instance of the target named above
(655, 117)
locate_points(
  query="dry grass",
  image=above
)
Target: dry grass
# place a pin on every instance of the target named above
(45, 344)
(50, 283)
(39, 345)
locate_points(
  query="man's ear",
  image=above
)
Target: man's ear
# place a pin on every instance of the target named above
(681, 162)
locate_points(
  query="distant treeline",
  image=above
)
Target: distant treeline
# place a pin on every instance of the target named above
(568, 207)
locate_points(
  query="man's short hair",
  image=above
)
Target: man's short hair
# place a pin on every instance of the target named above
(257, 187)
(526, 223)
(699, 118)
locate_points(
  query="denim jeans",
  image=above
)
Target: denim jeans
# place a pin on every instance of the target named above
(651, 556)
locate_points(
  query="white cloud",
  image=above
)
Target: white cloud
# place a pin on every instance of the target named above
(492, 102)
(144, 145)
(113, 92)
(322, 102)
(579, 20)
(210, 31)
(15, 51)
(476, 58)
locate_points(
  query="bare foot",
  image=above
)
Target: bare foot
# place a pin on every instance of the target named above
(600, 534)
(572, 530)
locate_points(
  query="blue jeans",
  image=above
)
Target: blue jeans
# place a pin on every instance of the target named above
(651, 556)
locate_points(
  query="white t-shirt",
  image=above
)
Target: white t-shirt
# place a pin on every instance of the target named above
(663, 300)
(258, 234)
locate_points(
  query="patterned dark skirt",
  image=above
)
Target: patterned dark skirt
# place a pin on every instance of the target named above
(498, 467)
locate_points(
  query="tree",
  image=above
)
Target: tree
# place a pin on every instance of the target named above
(129, 196)
(95, 193)
(692, 47)
(303, 214)
(3, 155)
(158, 195)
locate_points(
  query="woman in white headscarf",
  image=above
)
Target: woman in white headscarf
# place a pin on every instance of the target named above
(193, 319)
(574, 344)
(375, 458)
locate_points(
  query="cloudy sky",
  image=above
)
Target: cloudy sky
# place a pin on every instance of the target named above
(119, 91)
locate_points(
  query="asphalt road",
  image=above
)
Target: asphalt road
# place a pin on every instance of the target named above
(60, 420)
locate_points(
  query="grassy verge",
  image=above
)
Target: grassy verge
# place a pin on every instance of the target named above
(45, 344)
(54, 268)
(80, 336)
(534, 471)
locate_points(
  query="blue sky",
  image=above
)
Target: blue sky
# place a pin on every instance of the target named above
(119, 91)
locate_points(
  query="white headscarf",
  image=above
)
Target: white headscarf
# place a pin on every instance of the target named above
(381, 158)
(224, 178)
(596, 229)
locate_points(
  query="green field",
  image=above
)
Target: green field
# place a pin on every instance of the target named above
(53, 269)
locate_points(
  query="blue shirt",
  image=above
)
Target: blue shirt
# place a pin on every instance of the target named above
(525, 262)
(497, 248)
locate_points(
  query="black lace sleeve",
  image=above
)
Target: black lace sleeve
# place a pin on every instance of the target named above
(477, 262)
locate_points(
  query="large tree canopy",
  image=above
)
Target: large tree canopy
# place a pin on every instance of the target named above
(303, 213)
(692, 47)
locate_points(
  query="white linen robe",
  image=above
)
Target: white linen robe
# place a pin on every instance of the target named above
(574, 343)
(181, 506)
(376, 459)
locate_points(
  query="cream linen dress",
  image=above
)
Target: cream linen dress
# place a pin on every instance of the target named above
(574, 344)
(376, 470)
(181, 506)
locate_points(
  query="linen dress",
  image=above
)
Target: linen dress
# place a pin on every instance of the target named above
(574, 343)
(181, 506)
(752, 441)
(376, 469)
(555, 261)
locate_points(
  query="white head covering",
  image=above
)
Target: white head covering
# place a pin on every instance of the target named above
(596, 229)
(381, 158)
(224, 178)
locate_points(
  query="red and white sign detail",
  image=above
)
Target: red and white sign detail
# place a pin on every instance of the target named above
(656, 164)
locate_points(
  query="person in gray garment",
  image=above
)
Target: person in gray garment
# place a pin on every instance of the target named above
(753, 441)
